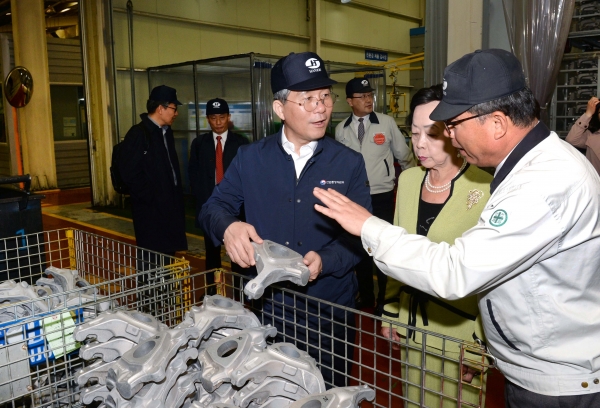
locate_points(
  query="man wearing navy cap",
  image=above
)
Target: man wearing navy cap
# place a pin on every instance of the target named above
(150, 169)
(274, 179)
(210, 156)
(377, 137)
(532, 258)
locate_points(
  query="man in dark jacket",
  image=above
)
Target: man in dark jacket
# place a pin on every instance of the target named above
(210, 156)
(274, 179)
(150, 169)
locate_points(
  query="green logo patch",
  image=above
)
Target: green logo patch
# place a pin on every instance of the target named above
(498, 218)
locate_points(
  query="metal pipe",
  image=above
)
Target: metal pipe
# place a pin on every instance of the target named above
(131, 69)
(363, 46)
(109, 12)
(88, 99)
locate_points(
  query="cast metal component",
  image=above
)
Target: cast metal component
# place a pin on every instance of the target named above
(283, 360)
(275, 263)
(13, 292)
(132, 325)
(275, 402)
(222, 395)
(184, 387)
(94, 393)
(343, 397)
(69, 279)
(96, 371)
(149, 360)
(108, 351)
(218, 312)
(221, 359)
(156, 394)
(197, 404)
(270, 387)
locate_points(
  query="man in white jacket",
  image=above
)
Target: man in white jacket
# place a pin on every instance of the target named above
(377, 137)
(533, 258)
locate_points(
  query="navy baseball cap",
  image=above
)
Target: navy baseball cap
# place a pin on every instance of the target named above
(164, 93)
(300, 72)
(479, 77)
(358, 85)
(216, 106)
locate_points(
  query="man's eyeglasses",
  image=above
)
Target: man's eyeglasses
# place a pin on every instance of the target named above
(170, 107)
(311, 103)
(364, 96)
(451, 124)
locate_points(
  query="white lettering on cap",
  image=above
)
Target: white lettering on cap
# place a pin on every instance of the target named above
(216, 104)
(312, 63)
(364, 82)
(444, 86)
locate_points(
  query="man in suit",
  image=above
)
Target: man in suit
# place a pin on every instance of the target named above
(150, 169)
(210, 156)
(377, 137)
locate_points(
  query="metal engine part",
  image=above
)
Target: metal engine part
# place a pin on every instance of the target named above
(13, 292)
(222, 395)
(107, 351)
(283, 360)
(275, 263)
(96, 371)
(69, 279)
(220, 360)
(131, 325)
(97, 392)
(343, 397)
(218, 312)
(197, 404)
(259, 394)
(150, 359)
(156, 394)
(276, 402)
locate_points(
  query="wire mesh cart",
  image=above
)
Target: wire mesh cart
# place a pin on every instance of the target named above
(39, 356)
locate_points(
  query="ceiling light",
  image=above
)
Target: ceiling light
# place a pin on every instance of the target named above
(346, 1)
(66, 9)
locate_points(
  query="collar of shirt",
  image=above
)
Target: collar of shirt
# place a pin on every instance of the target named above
(223, 138)
(164, 128)
(306, 152)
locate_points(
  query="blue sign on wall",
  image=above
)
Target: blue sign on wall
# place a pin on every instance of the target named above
(376, 55)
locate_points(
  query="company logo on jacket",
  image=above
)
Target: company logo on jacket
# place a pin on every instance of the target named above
(313, 65)
(323, 182)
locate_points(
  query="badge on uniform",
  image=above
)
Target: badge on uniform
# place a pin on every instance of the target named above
(379, 138)
(498, 218)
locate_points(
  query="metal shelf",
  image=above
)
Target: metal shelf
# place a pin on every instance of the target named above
(579, 70)
(577, 86)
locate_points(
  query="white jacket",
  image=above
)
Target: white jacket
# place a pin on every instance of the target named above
(382, 142)
(534, 260)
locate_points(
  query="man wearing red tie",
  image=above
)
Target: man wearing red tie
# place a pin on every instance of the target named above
(211, 153)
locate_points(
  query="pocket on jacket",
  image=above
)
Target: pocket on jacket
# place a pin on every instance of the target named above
(387, 167)
(500, 327)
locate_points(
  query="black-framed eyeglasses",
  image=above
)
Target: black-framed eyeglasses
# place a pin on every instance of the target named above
(311, 103)
(451, 124)
(369, 95)
(170, 107)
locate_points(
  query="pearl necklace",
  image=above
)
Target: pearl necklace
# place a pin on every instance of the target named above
(440, 189)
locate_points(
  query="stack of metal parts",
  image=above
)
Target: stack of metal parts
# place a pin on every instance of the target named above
(59, 289)
(217, 357)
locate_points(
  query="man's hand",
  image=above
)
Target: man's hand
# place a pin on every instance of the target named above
(392, 334)
(237, 239)
(314, 263)
(350, 215)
